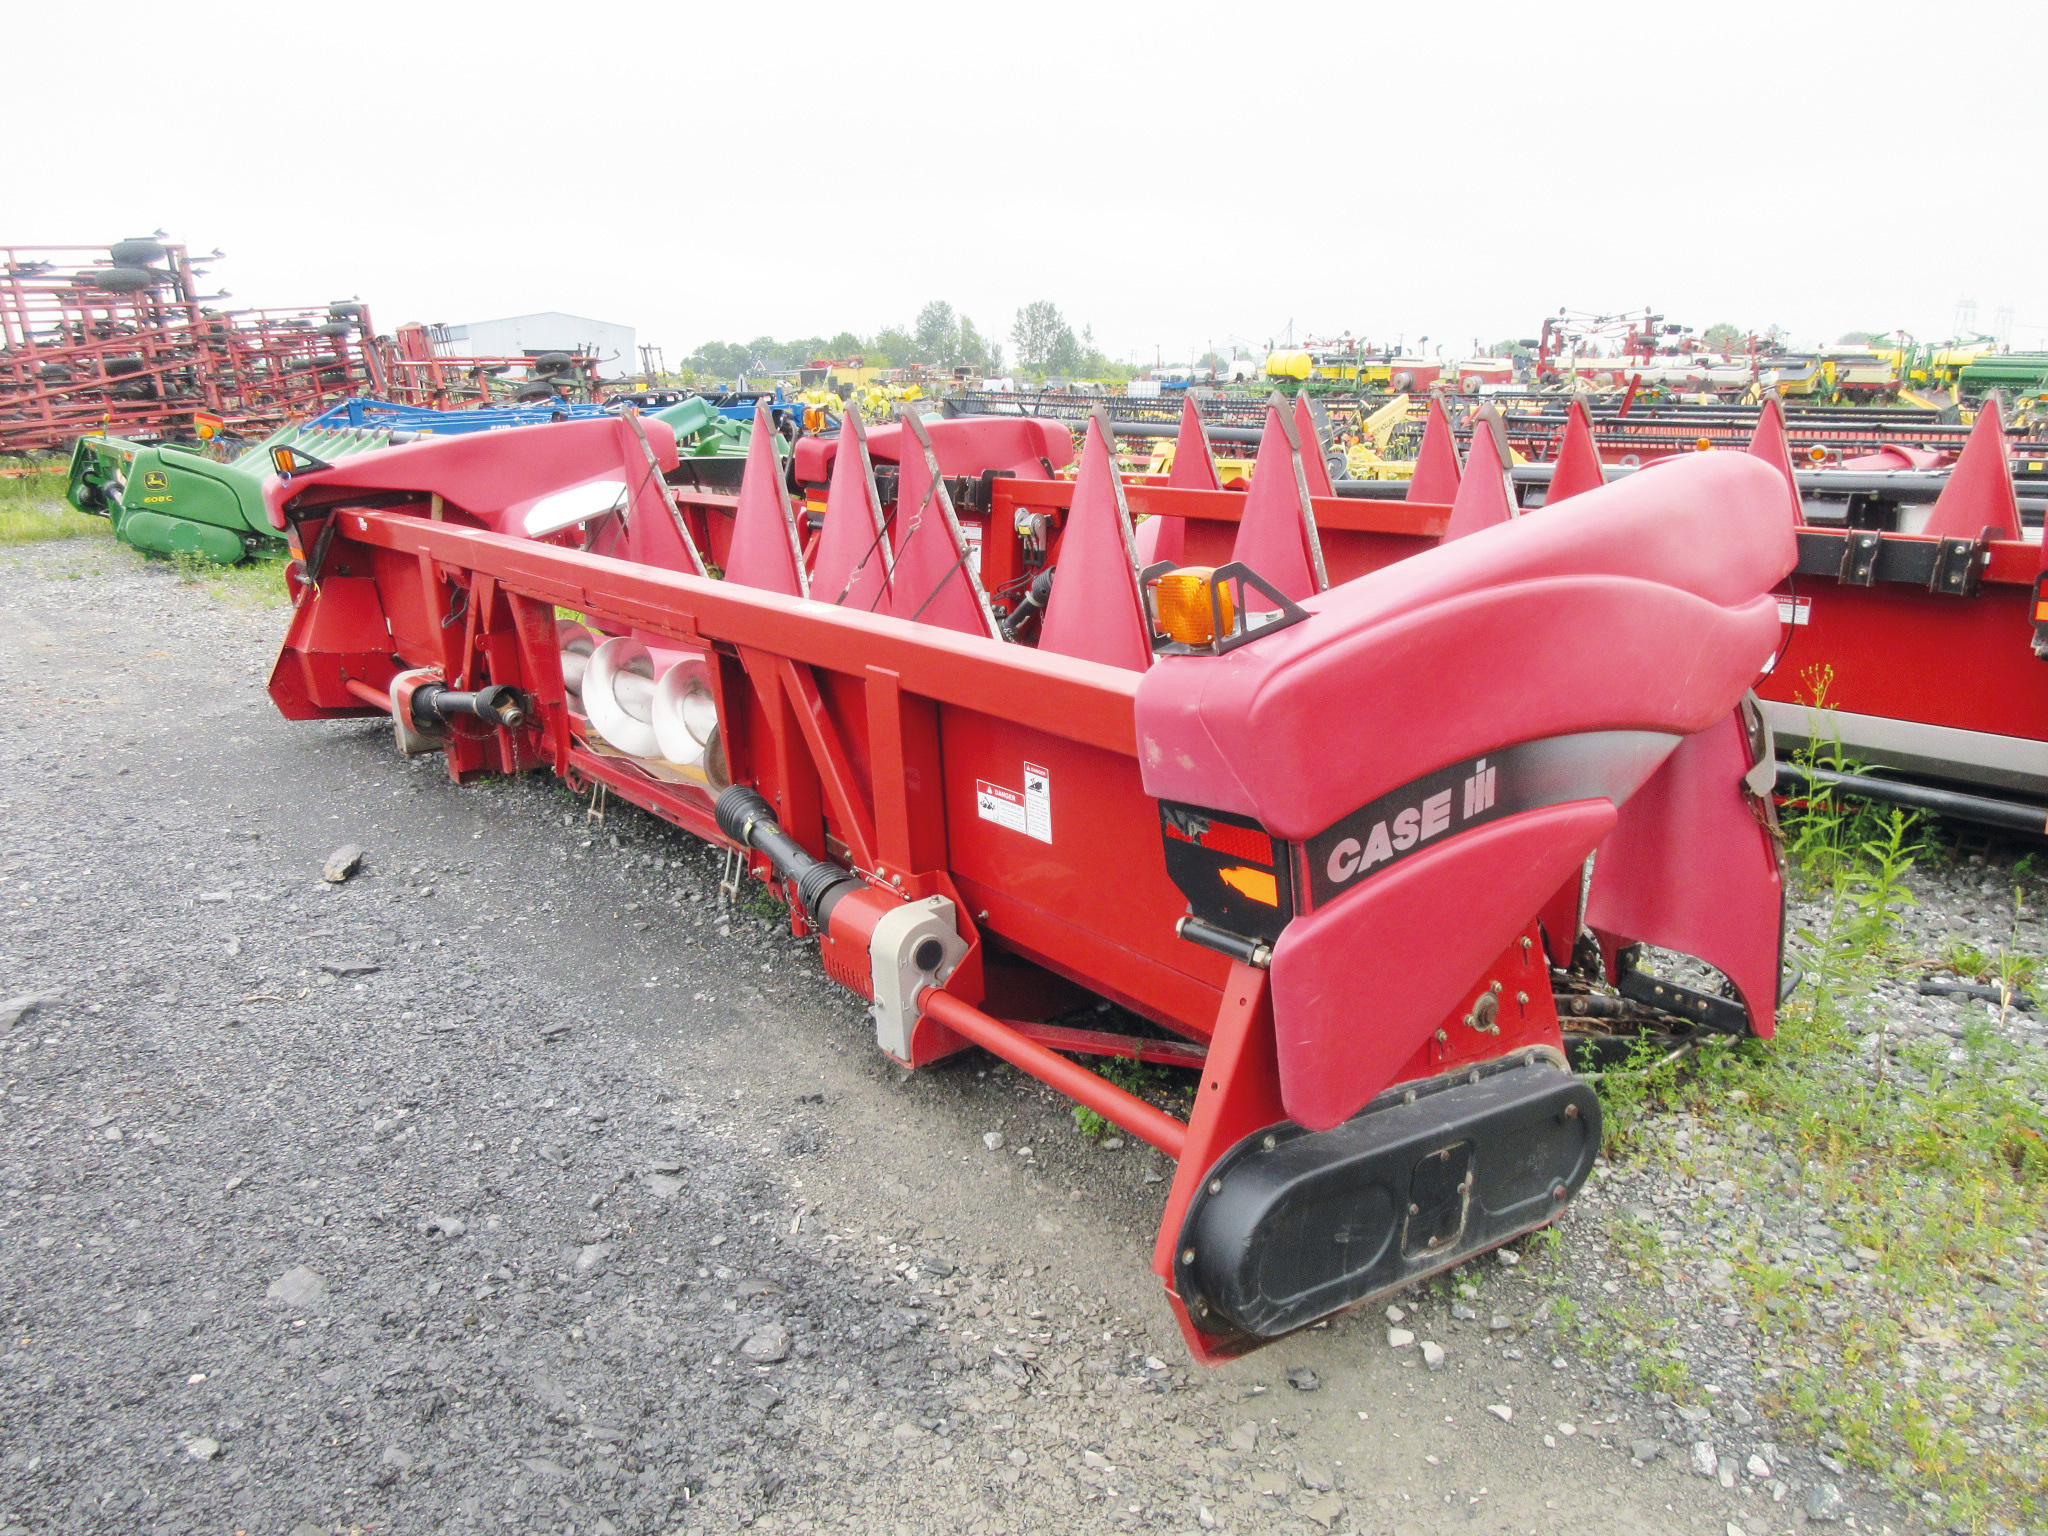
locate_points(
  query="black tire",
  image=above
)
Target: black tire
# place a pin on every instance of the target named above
(120, 279)
(121, 367)
(551, 362)
(337, 328)
(528, 393)
(137, 253)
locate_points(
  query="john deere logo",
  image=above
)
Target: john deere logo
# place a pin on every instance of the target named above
(155, 480)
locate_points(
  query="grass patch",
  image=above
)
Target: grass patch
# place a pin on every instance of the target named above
(33, 511)
(26, 519)
(1914, 1349)
(255, 583)
(757, 898)
(1131, 1076)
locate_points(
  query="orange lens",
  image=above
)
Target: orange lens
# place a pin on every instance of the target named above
(1182, 600)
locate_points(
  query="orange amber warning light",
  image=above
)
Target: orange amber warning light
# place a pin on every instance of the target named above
(1182, 601)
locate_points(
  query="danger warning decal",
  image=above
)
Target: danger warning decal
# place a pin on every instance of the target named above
(1028, 811)
(1523, 777)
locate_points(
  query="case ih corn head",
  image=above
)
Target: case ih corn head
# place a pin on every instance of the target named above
(1920, 623)
(1915, 625)
(1310, 795)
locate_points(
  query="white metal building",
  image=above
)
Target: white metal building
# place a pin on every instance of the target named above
(549, 331)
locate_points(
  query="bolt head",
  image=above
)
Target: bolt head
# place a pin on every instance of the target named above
(1187, 1255)
(1215, 1186)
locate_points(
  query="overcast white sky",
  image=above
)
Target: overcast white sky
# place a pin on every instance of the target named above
(1173, 174)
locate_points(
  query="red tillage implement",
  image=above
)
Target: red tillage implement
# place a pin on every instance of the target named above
(1318, 817)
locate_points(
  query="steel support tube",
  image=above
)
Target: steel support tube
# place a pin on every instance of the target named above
(1096, 1092)
(1821, 486)
(376, 698)
(2011, 814)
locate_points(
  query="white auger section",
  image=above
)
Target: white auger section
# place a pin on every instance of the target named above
(651, 704)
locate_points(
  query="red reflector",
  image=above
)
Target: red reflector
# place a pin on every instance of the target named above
(1239, 842)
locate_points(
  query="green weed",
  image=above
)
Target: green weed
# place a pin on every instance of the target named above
(1932, 1156)
(26, 521)
(1131, 1076)
(757, 898)
(254, 583)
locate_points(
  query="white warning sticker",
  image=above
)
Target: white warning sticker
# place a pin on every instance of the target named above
(1795, 610)
(1037, 802)
(1005, 807)
(1029, 812)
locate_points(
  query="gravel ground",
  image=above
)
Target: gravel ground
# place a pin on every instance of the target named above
(1763, 1256)
(514, 1185)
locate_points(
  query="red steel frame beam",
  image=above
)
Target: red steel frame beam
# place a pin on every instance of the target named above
(1081, 701)
(1897, 650)
(1114, 1104)
(1422, 520)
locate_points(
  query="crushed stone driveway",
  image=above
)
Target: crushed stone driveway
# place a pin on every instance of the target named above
(515, 1185)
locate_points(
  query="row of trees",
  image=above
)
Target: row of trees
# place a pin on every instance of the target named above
(940, 337)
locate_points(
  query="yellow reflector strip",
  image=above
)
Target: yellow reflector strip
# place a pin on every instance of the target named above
(1260, 885)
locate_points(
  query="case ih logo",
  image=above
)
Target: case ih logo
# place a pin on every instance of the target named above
(1395, 825)
(1523, 777)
